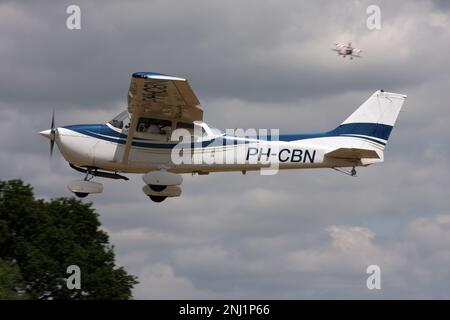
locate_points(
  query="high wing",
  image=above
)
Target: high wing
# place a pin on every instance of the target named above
(163, 97)
(339, 47)
(356, 52)
(160, 96)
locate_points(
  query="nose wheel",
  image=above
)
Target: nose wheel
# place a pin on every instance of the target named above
(85, 187)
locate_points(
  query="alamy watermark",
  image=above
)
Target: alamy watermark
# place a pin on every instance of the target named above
(373, 21)
(74, 280)
(374, 280)
(73, 21)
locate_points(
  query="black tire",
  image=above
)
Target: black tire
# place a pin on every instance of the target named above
(81, 194)
(157, 198)
(157, 188)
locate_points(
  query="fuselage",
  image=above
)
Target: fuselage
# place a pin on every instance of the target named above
(102, 146)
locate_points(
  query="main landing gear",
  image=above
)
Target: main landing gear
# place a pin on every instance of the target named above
(161, 185)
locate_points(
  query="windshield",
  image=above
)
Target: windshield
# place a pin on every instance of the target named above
(121, 121)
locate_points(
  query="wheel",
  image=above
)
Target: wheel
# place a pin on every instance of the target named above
(81, 194)
(157, 198)
(157, 188)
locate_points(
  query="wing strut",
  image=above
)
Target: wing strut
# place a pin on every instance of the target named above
(134, 121)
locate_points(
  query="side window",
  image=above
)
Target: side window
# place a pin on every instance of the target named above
(196, 131)
(199, 131)
(187, 126)
(154, 126)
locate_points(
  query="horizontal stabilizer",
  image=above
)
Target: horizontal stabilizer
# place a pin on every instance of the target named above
(353, 153)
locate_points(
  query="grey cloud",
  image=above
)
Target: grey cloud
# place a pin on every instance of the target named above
(252, 65)
(259, 52)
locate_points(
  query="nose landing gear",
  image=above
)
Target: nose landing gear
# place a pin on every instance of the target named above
(82, 188)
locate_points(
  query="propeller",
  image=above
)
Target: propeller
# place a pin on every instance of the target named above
(52, 134)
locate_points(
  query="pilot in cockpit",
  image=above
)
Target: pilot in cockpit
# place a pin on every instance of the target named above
(143, 125)
(154, 128)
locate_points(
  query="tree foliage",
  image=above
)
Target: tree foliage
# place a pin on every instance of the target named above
(12, 286)
(45, 237)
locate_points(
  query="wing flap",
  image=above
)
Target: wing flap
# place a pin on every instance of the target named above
(353, 153)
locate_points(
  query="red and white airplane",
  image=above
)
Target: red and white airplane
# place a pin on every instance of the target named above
(347, 50)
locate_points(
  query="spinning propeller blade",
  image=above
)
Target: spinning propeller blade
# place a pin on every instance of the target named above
(52, 134)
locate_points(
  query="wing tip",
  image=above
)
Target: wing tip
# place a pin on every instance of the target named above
(155, 75)
(390, 94)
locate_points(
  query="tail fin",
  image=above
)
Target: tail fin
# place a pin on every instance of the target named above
(375, 118)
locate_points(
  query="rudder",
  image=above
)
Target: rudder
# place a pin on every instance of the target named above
(375, 118)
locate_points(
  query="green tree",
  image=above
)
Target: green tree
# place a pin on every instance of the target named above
(45, 237)
(12, 286)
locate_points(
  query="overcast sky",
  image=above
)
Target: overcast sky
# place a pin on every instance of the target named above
(298, 234)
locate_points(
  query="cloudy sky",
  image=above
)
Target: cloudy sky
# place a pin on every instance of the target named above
(299, 234)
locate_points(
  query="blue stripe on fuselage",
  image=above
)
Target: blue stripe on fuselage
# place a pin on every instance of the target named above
(375, 130)
(103, 132)
(378, 131)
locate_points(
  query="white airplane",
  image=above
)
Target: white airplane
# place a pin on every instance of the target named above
(140, 140)
(347, 50)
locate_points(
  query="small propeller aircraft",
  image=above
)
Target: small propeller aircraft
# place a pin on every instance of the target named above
(347, 50)
(140, 140)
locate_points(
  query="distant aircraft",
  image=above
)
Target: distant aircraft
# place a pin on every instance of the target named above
(347, 50)
(141, 140)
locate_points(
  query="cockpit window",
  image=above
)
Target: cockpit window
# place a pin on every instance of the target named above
(216, 132)
(183, 125)
(155, 126)
(197, 130)
(121, 121)
(194, 129)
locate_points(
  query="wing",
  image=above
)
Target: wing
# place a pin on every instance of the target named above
(353, 153)
(356, 52)
(163, 97)
(160, 96)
